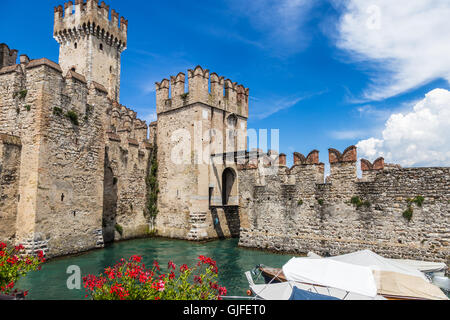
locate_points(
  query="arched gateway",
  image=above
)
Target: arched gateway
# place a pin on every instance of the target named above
(229, 185)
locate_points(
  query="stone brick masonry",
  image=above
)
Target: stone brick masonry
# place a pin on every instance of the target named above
(294, 211)
(74, 163)
(65, 143)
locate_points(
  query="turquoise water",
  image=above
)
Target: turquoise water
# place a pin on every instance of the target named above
(50, 282)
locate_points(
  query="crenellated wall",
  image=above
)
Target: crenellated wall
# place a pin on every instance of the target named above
(8, 56)
(70, 132)
(59, 206)
(74, 163)
(294, 211)
(224, 94)
(190, 197)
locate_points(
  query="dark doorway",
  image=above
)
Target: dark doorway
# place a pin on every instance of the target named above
(109, 203)
(228, 180)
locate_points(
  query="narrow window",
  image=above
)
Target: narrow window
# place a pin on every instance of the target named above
(101, 46)
(76, 45)
(110, 69)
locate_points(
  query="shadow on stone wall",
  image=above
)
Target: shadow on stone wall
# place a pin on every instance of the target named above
(109, 203)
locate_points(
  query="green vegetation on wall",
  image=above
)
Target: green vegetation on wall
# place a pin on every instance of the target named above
(20, 94)
(417, 200)
(356, 201)
(408, 213)
(57, 111)
(119, 229)
(73, 117)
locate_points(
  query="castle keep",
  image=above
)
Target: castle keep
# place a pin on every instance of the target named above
(73, 160)
(76, 166)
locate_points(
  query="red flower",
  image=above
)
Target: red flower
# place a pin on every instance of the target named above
(198, 279)
(136, 258)
(222, 291)
(214, 285)
(184, 268)
(172, 276)
(12, 260)
(172, 265)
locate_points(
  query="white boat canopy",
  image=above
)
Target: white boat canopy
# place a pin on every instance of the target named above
(331, 273)
(376, 262)
(423, 266)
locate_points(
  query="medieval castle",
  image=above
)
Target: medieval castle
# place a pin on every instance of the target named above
(79, 170)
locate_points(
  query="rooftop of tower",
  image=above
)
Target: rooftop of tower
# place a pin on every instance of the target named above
(73, 21)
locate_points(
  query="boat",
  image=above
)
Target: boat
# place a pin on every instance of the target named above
(272, 275)
(319, 280)
(394, 279)
(286, 290)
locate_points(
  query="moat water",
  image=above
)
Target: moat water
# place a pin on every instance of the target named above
(50, 282)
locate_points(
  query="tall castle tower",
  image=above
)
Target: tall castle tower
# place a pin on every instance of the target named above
(91, 42)
(198, 196)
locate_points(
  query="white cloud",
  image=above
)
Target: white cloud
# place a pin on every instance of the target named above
(280, 23)
(405, 41)
(373, 112)
(420, 137)
(150, 117)
(347, 134)
(262, 109)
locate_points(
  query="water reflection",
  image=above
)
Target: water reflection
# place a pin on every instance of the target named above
(50, 282)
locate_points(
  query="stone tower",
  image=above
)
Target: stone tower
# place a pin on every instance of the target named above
(193, 127)
(91, 42)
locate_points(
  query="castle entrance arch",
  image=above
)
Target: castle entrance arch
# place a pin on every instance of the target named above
(230, 202)
(229, 186)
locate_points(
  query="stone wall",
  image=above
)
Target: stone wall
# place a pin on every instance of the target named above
(294, 211)
(190, 199)
(60, 188)
(126, 167)
(65, 126)
(74, 161)
(10, 152)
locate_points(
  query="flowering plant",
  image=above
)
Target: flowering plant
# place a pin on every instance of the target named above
(132, 280)
(14, 264)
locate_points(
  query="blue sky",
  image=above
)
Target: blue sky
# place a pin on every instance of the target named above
(326, 73)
